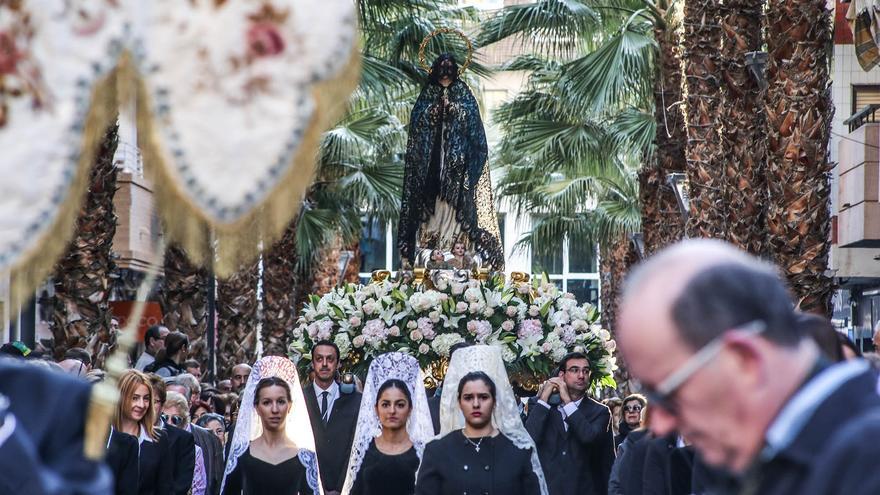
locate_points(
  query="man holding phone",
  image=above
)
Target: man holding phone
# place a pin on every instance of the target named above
(572, 431)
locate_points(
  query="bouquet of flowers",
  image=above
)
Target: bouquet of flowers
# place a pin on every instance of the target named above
(535, 325)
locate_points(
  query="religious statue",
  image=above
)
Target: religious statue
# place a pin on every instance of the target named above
(447, 195)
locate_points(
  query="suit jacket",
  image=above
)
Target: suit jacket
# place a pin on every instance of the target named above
(122, 457)
(834, 452)
(576, 461)
(668, 469)
(46, 443)
(333, 442)
(213, 453)
(183, 451)
(156, 465)
(434, 409)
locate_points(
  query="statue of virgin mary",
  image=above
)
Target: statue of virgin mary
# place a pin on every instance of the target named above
(447, 195)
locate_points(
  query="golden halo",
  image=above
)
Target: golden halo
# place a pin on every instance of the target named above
(470, 48)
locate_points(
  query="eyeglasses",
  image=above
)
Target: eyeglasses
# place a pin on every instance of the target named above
(662, 394)
(633, 408)
(574, 370)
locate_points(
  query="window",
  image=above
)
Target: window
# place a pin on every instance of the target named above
(864, 95)
(573, 267)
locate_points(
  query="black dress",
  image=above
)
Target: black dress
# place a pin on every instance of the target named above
(253, 476)
(383, 474)
(452, 465)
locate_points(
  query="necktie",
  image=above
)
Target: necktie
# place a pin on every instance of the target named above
(324, 412)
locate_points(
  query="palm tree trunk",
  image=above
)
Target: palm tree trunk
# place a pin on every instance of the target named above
(799, 112)
(237, 319)
(615, 262)
(81, 311)
(184, 300)
(745, 127)
(662, 222)
(279, 285)
(705, 167)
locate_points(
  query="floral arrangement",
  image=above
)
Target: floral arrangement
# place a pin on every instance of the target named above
(535, 325)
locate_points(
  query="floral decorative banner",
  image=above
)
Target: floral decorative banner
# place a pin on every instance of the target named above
(535, 326)
(55, 104)
(238, 92)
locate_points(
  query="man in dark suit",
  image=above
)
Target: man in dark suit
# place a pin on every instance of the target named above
(122, 457)
(183, 445)
(333, 414)
(42, 434)
(713, 336)
(574, 438)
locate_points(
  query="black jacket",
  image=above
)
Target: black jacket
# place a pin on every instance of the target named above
(156, 466)
(668, 468)
(122, 457)
(212, 451)
(183, 451)
(434, 409)
(576, 461)
(451, 465)
(333, 442)
(836, 451)
(45, 422)
(165, 369)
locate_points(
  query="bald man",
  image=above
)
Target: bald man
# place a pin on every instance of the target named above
(712, 335)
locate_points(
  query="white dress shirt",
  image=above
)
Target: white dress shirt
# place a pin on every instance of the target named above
(331, 397)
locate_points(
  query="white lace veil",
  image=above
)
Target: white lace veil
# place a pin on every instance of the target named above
(298, 427)
(419, 427)
(505, 417)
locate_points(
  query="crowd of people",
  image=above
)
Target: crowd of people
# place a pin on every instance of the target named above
(739, 393)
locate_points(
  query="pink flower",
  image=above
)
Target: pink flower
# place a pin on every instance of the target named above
(394, 331)
(354, 321)
(423, 349)
(545, 348)
(264, 40)
(461, 307)
(511, 311)
(530, 328)
(507, 326)
(416, 336)
(359, 341)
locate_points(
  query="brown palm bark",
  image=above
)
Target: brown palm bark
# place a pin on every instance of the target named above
(615, 262)
(184, 300)
(705, 167)
(81, 311)
(744, 134)
(662, 222)
(237, 319)
(279, 293)
(799, 112)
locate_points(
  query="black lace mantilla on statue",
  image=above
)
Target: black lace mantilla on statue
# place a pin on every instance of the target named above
(464, 182)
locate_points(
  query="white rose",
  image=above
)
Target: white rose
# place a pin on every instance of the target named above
(359, 341)
(488, 312)
(424, 349)
(461, 307)
(416, 336)
(534, 310)
(354, 321)
(412, 324)
(434, 316)
(394, 331)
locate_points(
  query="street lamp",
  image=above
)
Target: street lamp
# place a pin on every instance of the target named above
(679, 183)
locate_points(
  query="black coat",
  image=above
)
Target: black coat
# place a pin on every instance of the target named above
(122, 457)
(577, 460)
(156, 466)
(333, 442)
(47, 434)
(668, 469)
(212, 451)
(183, 450)
(434, 409)
(836, 451)
(451, 465)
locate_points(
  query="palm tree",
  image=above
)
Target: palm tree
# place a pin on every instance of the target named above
(237, 318)
(183, 297)
(705, 161)
(799, 112)
(81, 311)
(743, 136)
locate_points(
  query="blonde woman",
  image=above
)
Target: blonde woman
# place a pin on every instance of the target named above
(136, 416)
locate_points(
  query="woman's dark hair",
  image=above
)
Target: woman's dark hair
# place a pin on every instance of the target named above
(822, 333)
(271, 381)
(398, 384)
(174, 342)
(474, 376)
